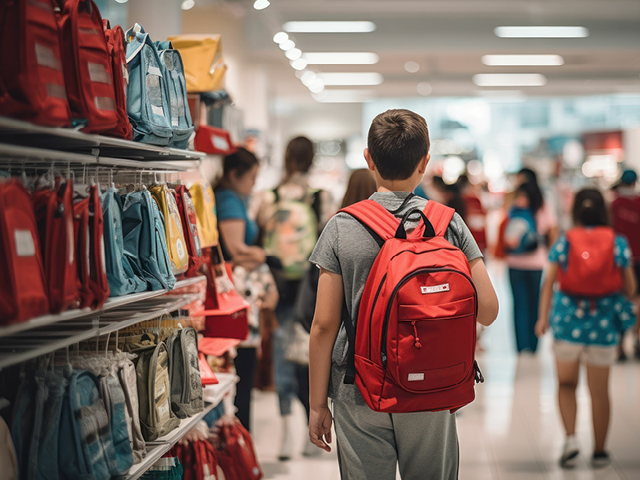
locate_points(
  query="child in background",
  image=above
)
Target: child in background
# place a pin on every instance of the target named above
(593, 267)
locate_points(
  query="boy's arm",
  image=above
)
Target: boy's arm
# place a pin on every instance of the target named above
(324, 330)
(546, 293)
(488, 305)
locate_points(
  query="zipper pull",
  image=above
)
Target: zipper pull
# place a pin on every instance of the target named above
(383, 356)
(415, 334)
(479, 376)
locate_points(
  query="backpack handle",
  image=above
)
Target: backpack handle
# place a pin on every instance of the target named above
(429, 231)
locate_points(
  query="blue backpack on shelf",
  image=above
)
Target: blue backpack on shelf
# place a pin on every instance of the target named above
(522, 226)
(148, 104)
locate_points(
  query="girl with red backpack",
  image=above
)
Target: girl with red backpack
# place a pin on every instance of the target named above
(592, 266)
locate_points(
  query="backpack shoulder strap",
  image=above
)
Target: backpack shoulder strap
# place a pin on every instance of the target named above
(375, 217)
(439, 215)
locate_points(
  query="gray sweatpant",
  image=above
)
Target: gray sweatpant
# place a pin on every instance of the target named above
(370, 444)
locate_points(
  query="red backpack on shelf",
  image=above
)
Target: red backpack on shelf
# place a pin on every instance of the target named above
(23, 293)
(414, 343)
(54, 216)
(198, 460)
(190, 229)
(236, 454)
(591, 267)
(117, 53)
(87, 65)
(32, 84)
(82, 237)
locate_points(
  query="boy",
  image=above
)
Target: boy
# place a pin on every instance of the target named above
(370, 444)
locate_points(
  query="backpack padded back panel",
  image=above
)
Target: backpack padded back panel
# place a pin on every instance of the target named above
(32, 83)
(416, 325)
(591, 269)
(186, 384)
(173, 226)
(87, 65)
(23, 293)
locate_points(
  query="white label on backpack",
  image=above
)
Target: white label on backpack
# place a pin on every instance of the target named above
(416, 377)
(153, 70)
(46, 58)
(157, 110)
(435, 289)
(180, 248)
(71, 242)
(25, 246)
(98, 74)
(160, 391)
(219, 142)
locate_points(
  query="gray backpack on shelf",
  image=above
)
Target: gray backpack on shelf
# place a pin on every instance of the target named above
(154, 392)
(186, 384)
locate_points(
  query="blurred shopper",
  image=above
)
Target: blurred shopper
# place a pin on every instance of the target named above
(529, 228)
(625, 213)
(360, 187)
(371, 445)
(291, 217)
(475, 215)
(451, 196)
(593, 267)
(238, 235)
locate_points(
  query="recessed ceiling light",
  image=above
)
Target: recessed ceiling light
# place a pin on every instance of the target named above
(261, 4)
(509, 80)
(186, 5)
(316, 86)
(329, 27)
(345, 96)
(522, 60)
(424, 89)
(287, 45)
(298, 64)
(541, 32)
(355, 78)
(122, 1)
(280, 37)
(308, 78)
(341, 58)
(293, 54)
(412, 67)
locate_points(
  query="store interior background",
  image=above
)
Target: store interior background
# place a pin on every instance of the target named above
(581, 127)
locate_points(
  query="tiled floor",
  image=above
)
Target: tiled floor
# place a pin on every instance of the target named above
(511, 432)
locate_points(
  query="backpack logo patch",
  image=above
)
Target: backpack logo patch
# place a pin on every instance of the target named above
(416, 377)
(435, 289)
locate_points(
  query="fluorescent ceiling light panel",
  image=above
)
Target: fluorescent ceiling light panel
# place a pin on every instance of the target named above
(500, 93)
(280, 37)
(341, 58)
(345, 96)
(509, 80)
(355, 78)
(541, 32)
(522, 60)
(329, 27)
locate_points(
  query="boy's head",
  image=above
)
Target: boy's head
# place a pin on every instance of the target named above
(398, 145)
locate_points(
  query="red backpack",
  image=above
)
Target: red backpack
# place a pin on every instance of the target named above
(591, 267)
(626, 221)
(82, 237)
(31, 79)
(190, 228)
(22, 287)
(414, 343)
(476, 219)
(54, 215)
(198, 460)
(235, 453)
(87, 65)
(117, 53)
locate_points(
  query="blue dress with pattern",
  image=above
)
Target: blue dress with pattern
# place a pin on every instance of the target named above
(576, 320)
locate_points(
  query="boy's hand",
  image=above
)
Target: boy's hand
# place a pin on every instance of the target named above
(542, 325)
(320, 427)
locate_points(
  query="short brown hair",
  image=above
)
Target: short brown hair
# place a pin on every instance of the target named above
(398, 140)
(298, 156)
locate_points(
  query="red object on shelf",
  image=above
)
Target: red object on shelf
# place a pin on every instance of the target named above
(217, 346)
(206, 374)
(236, 455)
(214, 140)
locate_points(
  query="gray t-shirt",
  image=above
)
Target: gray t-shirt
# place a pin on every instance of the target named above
(346, 248)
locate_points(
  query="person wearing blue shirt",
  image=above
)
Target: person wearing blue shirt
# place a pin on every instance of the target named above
(586, 328)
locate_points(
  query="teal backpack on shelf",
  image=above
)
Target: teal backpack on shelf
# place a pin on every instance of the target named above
(144, 234)
(176, 85)
(148, 104)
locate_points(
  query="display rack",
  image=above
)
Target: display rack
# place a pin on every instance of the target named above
(158, 448)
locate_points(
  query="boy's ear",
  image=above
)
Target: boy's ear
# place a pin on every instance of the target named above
(424, 162)
(367, 157)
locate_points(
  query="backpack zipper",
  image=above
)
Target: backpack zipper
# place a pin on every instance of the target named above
(406, 278)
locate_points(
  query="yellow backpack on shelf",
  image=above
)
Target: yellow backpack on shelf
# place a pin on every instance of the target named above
(204, 202)
(173, 225)
(204, 67)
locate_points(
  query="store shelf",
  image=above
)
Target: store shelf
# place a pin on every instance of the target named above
(155, 450)
(76, 314)
(70, 140)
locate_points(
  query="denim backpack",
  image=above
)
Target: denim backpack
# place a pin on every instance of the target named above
(148, 102)
(146, 239)
(186, 385)
(113, 398)
(174, 81)
(120, 264)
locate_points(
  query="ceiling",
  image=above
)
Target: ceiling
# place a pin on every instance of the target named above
(447, 38)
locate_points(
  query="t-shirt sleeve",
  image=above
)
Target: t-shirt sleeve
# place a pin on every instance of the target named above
(458, 234)
(325, 254)
(622, 252)
(558, 253)
(229, 206)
